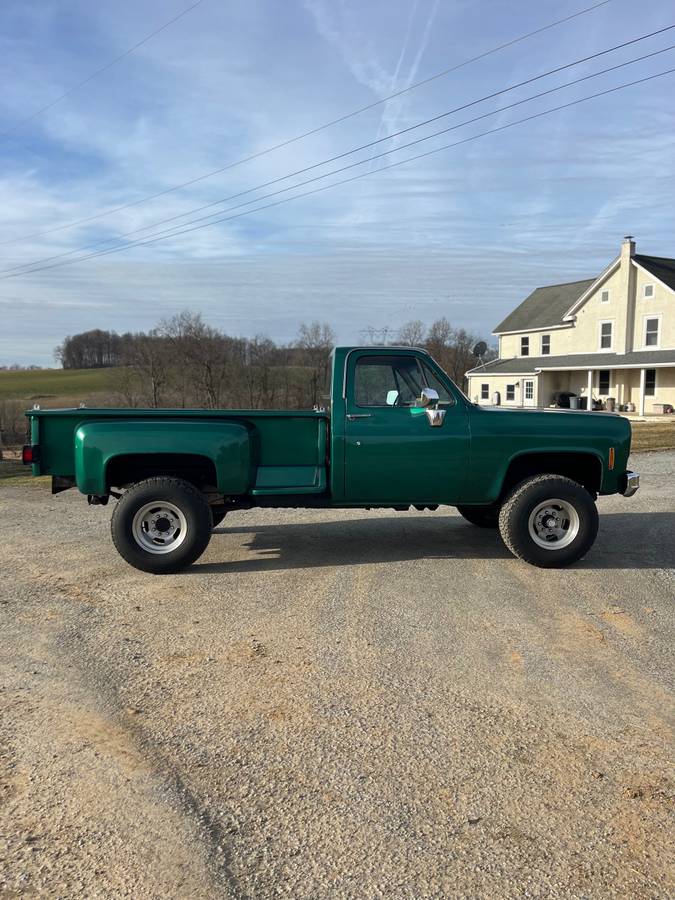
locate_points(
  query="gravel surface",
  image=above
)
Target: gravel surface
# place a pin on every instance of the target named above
(336, 704)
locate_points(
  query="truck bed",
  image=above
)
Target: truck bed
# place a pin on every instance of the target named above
(288, 450)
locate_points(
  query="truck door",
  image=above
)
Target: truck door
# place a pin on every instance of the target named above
(392, 452)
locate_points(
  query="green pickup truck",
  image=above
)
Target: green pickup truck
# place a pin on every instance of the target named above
(397, 433)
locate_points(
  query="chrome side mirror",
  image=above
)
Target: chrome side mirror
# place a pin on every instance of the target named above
(429, 401)
(428, 396)
(435, 417)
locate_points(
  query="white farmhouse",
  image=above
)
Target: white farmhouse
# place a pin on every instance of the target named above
(607, 337)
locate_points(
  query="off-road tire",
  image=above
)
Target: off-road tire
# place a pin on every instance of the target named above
(514, 520)
(181, 495)
(218, 515)
(482, 516)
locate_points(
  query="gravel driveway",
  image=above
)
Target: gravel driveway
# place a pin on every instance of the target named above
(337, 704)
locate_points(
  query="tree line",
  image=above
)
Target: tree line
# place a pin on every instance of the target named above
(186, 362)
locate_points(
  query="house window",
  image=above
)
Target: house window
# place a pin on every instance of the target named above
(529, 390)
(648, 290)
(546, 345)
(603, 381)
(510, 392)
(485, 392)
(652, 332)
(524, 346)
(650, 382)
(606, 335)
(604, 297)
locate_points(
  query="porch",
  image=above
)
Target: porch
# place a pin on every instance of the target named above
(633, 390)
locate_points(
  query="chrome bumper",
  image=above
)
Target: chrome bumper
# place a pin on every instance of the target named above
(630, 483)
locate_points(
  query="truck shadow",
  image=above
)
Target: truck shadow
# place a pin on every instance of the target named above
(626, 541)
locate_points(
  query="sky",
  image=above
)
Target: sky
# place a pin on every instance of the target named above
(465, 233)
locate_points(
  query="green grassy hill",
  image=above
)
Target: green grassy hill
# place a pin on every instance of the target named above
(45, 384)
(50, 389)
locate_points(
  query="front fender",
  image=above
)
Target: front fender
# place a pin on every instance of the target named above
(226, 444)
(499, 474)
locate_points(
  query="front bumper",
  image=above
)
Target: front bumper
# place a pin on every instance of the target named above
(629, 483)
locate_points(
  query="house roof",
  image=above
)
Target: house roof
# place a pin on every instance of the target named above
(521, 365)
(545, 306)
(661, 267)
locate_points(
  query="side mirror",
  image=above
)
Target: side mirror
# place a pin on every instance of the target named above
(392, 397)
(428, 396)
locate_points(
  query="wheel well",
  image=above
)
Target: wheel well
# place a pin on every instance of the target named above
(132, 467)
(583, 468)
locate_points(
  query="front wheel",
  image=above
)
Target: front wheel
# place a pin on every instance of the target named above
(161, 525)
(549, 521)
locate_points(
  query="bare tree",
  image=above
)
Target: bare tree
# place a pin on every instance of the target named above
(316, 341)
(257, 372)
(204, 350)
(452, 348)
(412, 334)
(317, 336)
(127, 383)
(149, 356)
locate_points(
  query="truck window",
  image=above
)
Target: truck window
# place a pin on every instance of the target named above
(377, 378)
(444, 395)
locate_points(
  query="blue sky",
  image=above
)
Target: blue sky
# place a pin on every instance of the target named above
(466, 233)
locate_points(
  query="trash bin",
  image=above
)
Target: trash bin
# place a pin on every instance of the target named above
(574, 403)
(610, 404)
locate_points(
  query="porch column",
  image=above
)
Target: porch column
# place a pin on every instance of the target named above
(590, 389)
(643, 382)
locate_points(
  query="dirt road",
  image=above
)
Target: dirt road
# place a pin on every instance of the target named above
(337, 704)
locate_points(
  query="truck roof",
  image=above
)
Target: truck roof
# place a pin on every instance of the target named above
(348, 349)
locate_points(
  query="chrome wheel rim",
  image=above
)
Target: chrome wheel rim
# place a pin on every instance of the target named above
(159, 527)
(554, 524)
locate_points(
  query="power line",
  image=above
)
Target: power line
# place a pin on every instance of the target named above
(312, 131)
(372, 144)
(95, 74)
(177, 233)
(361, 162)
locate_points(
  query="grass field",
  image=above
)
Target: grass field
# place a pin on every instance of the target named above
(42, 384)
(654, 435)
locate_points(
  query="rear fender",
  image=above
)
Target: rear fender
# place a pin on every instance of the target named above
(226, 444)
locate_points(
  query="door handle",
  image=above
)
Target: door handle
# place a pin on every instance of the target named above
(352, 416)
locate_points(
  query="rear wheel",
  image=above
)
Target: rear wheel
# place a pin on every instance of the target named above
(161, 525)
(483, 516)
(549, 521)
